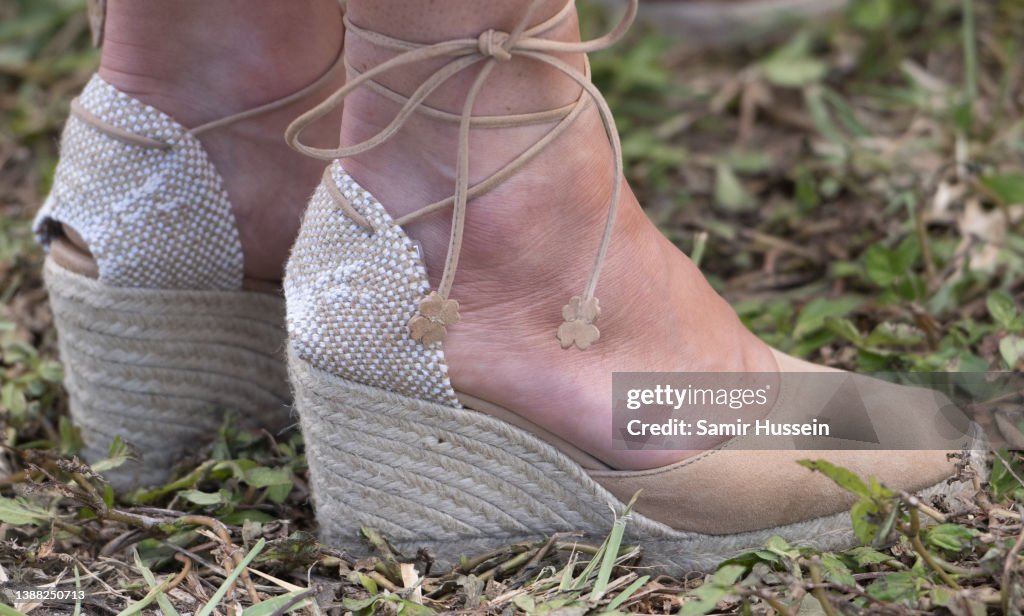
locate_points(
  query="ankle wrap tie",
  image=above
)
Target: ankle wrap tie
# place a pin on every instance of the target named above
(437, 311)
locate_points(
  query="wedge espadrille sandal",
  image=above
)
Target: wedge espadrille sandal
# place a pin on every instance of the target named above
(393, 446)
(158, 329)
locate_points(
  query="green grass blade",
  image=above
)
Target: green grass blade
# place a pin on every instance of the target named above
(217, 596)
(566, 581)
(611, 553)
(628, 592)
(970, 53)
(288, 601)
(700, 242)
(607, 554)
(818, 110)
(136, 607)
(581, 581)
(78, 586)
(161, 599)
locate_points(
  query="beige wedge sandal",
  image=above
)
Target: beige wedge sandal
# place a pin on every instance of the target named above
(391, 445)
(159, 331)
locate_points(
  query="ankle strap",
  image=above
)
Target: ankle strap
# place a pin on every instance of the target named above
(131, 138)
(437, 311)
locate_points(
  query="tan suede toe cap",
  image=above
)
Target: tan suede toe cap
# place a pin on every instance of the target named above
(724, 492)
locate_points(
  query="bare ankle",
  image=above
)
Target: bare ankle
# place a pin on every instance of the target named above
(200, 60)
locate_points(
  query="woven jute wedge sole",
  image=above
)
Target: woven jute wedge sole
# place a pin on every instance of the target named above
(160, 368)
(458, 482)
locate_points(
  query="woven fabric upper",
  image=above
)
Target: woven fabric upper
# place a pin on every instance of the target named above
(152, 218)
(351, 292)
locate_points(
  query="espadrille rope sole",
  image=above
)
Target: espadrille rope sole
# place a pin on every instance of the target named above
(160, 368)
(458, 482)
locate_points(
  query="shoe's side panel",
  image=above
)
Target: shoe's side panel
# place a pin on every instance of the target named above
(153, 217)
(351, 292)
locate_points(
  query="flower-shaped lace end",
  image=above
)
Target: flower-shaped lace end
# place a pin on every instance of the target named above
(433, 317)
(578, 333)
(578, 328)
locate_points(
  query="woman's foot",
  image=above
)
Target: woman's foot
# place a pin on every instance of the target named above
(200, 61)
(393, 446)
(530, 243)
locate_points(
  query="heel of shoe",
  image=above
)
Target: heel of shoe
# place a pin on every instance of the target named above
(160, 368)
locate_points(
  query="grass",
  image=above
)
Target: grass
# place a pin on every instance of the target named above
(855, 189)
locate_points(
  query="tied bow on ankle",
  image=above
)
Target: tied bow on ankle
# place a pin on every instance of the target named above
(492, 44)
(437, 311)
